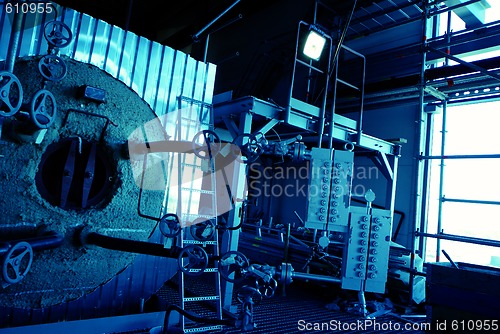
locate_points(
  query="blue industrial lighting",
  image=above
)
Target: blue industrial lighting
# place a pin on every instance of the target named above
(315, 43)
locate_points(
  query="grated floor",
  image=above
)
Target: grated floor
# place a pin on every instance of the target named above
(301, 309)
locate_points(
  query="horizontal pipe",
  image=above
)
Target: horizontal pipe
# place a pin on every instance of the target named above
(472, 201)
(460, 156)
(314, 277)
(48, 240)
(130, 246)
(459, 238)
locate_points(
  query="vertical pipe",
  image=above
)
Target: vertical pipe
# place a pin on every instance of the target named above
(425, 15)
(425, 182)
(441, 183)
(443, 142)
(14, 41)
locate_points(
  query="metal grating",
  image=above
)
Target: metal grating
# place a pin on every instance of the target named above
(282, 313)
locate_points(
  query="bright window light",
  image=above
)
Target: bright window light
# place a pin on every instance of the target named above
(314, 45)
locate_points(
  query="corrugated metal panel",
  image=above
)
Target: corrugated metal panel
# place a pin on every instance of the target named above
(159, 75)
(156, 72)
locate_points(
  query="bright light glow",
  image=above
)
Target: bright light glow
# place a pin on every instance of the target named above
(314, 45)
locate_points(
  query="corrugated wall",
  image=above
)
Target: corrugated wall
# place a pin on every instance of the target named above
(159, 75)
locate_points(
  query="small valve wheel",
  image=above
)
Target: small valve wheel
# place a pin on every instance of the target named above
(266, 287)
(193, 260)
(247, 148)
(202, 229)
(52, 67)
(233, 262)
(11, 94)
(43, 109)
(206, 144)
(57, 34)
(169, 225)
(17, 262)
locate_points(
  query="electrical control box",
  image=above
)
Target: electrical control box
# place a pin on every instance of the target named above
(366, 252)
(320, 176)
(340, 198)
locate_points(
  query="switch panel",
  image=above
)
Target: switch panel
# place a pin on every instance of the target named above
(340, 199)
(320, 174)
(378, 258)
(366, 252)
(356, 251)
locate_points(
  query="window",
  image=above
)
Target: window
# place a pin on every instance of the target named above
(469, 203)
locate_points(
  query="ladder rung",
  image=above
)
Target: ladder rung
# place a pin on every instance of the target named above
(210, 192)
(197, 242)
(197, 215)
(197, 299)
(190, 165)
(207, 270)
(202, 329)
(195, 121)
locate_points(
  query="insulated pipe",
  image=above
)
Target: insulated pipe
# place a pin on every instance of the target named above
(130, 246)
(48, 240)
(14, 41)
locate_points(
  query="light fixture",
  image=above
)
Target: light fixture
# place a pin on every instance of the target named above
(315, 43)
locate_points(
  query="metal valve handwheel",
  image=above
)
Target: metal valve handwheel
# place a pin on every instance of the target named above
(17, 262)
(11, 94)
(235, 264)
(202, 229)
(170, 225)
(206, 144)
(266, 288)
(57, 34)
(247, 148)
(43, 109)
(193, 260)
(247, 293)
(52, 67)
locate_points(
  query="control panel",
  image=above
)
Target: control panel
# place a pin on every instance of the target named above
(320, 177)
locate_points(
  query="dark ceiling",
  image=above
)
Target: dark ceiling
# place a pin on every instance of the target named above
(252, 43)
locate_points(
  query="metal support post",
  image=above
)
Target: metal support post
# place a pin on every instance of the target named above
(230, 240)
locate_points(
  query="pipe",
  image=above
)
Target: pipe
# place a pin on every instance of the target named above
(314, 277)
(460, 238)
(14, 41)
(197, 35)
(48, 240)
(130, 246)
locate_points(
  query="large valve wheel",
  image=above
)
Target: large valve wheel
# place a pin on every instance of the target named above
(202, 229)
(193, 260)
(234, 264)
(170, 225)
(52, 67)
(17, 262)
(206, 144)
(57, 34)
(11, 94)
(247, 148)
(43, 109)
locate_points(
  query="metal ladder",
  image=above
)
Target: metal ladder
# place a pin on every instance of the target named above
(193, 166)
